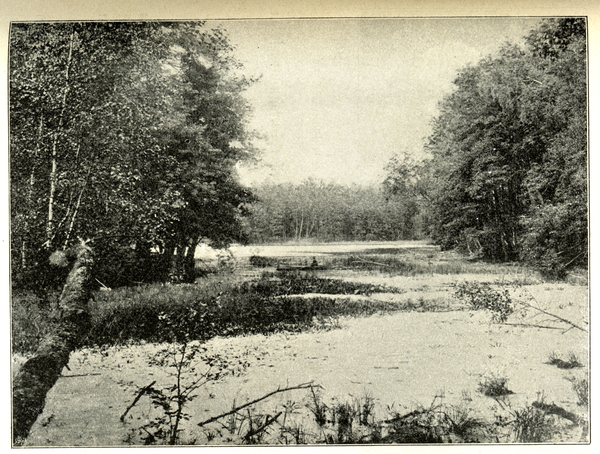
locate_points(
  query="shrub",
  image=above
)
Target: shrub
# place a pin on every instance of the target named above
(581, 388)
(32, 318)
(134, 313)
(571, 362)
(191, 367)
(556, 238)
(531, 425)
(494, 386)
(479, 295)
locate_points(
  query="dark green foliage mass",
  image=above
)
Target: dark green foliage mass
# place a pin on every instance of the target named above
(508, 169)
(125, 131)
(330, 212)
(202, 311)
(480, 296)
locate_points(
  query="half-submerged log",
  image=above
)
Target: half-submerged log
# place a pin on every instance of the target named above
(39, 374)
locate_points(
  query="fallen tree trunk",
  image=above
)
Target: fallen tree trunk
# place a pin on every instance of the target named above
(39, 374)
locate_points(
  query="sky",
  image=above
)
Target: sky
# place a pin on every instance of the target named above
(337, 98)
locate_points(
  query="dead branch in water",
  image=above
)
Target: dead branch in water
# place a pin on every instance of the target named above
(241, 407)
(143, 391)
(573, 325)
(529, 325)
(270, 420)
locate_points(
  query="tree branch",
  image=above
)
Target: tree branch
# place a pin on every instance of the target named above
(236, 409)
(143, 391)
(530, 325)
(550, 314)
(270, 420)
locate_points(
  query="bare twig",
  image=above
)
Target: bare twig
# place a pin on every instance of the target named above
(550, 314)
(236, 409)
(270, 420)
(531, 325)
(500, 402)
(143, 391)
(104, 287)
(533, 80)
(575, 258)
(80, 375)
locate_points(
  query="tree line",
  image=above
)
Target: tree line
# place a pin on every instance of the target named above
(322, 211)
(126, 133)
(506, 177)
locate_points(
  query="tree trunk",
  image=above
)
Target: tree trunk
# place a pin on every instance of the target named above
(299, 229)
(54, 161)
(177, 264)
(190, 262)
(77, 206)
(39, 374)
(30, 196)
(174, 266)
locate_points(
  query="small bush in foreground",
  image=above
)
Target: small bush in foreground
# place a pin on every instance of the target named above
(494, 386)
(581, 388)
(531, 425)
(191, 368)
(571, 362)
(480, 295)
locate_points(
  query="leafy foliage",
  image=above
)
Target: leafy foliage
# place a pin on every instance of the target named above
(481, 296)
(509, 154)
(329, 212)
(126, 132)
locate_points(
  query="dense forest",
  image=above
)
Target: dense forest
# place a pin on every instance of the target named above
(128, 135)
(508, 169)
(125, 134)
(322, 211)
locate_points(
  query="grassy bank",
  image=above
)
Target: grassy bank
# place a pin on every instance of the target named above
(164, 313)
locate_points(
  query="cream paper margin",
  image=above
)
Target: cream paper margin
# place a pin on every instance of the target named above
(49, 10)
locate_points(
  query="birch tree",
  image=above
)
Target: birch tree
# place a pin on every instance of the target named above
(129, 131)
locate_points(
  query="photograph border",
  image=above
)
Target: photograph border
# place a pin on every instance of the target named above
(109, 10)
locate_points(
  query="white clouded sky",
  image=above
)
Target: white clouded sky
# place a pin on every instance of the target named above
(338, 98)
